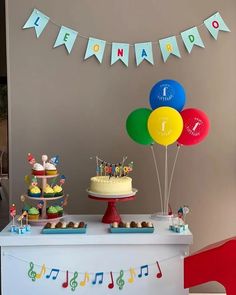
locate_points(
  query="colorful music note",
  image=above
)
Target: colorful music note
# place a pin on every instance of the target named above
(111, 284)
(31, 272)
(86, 280)
(56, 273)
(119, 281)
(141, 271)
(65, 284)
(132, 275)
(73, 282)
(42, 272)
(159, 274)
(98, 274)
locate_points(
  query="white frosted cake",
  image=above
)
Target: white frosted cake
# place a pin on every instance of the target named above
(107, 185)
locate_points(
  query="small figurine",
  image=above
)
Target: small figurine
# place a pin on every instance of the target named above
(178, 223)
(13, 214)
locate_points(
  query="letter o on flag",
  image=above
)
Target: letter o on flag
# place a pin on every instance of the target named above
(215, 24)
(96, 48)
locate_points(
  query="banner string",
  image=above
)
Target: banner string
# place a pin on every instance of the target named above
(110, 43)
(90, 273)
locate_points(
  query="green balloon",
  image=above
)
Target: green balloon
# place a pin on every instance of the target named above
(136, 126)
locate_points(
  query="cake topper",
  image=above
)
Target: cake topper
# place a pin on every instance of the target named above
(31, 159)
(54, 160)
(119, 169)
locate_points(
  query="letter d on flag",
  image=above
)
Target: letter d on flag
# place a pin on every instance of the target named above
(190, 38)
(38, 21)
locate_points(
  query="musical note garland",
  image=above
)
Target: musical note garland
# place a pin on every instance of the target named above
(76, 279)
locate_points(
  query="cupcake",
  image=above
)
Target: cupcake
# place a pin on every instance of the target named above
(52, 212)
(34, 191)
(59, 210)
(33, 213)
(50, 169)
(58, 191)
(48, 192)
(38, 169)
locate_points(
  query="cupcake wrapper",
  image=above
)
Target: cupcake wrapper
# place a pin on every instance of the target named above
(59, 194)
(49, 195)
(33, 216)
(52, 215)
(36, 172)
(51, 172)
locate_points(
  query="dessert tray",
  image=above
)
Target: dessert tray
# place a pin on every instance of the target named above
(135, 228)
(80, 229)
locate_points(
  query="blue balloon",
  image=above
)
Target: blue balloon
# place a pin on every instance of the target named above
(167, 93)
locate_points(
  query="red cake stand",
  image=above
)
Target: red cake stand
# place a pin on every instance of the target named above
(111, 214)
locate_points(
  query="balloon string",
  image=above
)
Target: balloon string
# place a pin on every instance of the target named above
(166, 182)
(157, 175)
(172, 173)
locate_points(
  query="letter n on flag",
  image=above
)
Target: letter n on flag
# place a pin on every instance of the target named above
(120, 51)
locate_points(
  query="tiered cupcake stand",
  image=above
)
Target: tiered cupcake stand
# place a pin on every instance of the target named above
(43, 218)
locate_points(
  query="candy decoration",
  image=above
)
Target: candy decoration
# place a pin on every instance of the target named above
(169, 93)
(44, 159)
(196, 127)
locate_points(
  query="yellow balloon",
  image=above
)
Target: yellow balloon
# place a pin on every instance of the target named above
(165, 125)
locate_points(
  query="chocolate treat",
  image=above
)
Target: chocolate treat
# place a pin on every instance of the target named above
(115, 224)
(47, 225)
(144, 224)
(133, 224)
(149, 224)
(59, 225)
(70, 224)
(81, 224)
(139, 224)
(121, 224)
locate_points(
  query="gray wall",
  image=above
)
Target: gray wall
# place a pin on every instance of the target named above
(63, 105)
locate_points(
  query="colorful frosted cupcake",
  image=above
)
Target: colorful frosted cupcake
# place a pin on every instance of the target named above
(58, 190)
(50, 169)
(38, 169)
(59, 210)
(48, 192)
(52, 212)
(33, 213)
(34, 191)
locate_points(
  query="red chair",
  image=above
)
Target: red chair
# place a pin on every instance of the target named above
(216, 262)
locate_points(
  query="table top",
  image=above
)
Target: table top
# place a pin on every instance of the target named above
(98, 233)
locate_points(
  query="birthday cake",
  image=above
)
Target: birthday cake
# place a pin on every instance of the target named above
(111, 185)
(111, 179)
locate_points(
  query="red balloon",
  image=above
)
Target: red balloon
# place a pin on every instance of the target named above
(196, 127)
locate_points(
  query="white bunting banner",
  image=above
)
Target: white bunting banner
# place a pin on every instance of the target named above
(143, 51)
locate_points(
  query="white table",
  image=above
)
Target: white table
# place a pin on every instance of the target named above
(94, 252)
